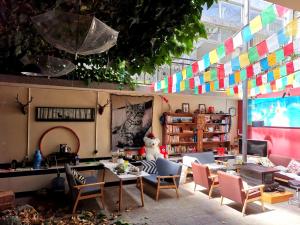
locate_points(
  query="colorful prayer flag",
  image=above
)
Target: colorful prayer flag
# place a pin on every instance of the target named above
(279, 56)
(221, 51)
(228, 46)
(272, 43)
(253, 54)
(272, 59)
(213, 56)
(262, 48)
(246, 32)
(235, 64)
(268, 15)
(195, 68)
(237, 40)
(288, 49)
(255, 24)
(244, 60)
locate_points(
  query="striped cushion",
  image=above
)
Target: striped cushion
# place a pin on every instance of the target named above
(78, 177)
(149, 166)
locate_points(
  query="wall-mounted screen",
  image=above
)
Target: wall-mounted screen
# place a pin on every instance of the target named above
(274, 112)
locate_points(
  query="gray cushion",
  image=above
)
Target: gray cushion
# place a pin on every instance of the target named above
(149, 166)
(152, 179)
(203, 157)
(92, 189)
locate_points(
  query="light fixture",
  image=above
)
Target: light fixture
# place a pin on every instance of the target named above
(75, 33)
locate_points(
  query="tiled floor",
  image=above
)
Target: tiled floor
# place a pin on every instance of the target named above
(195, 208)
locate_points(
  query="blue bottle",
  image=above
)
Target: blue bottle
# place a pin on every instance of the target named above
(37, 159)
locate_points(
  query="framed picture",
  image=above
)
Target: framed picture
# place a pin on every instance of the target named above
(232, 111)
(202, 108)
(64, 114)
(186, 107)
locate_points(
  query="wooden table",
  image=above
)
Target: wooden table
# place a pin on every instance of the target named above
(256, 174)
(276, 197)
(124, 177)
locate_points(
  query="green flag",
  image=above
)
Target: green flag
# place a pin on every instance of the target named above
(243, 75)
(213, 75)
(189, 72)
(253, 55)
(221, 51)
(279, 56)
(268, 16)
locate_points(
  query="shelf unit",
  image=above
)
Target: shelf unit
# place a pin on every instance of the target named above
(180, 133)
(215, 131)
(186, 132)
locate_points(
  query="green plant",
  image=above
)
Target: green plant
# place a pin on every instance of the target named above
(151, 33)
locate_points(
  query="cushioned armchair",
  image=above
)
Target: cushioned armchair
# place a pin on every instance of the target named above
(202, 177)
(167, 177)
(91, 189)
(232, 187)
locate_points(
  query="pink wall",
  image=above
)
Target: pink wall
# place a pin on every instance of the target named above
(283, 141)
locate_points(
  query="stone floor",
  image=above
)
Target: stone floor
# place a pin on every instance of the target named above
(192, 208)
(195, 208)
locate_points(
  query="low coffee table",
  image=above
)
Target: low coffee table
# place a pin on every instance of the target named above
(276, 197)
(256, 174)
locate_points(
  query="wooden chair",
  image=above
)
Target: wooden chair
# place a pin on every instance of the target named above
(232, 187)
(202, 177)
(91, 189)
(167, 177)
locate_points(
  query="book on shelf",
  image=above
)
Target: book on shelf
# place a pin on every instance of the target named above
(172, 150)
(179, 119)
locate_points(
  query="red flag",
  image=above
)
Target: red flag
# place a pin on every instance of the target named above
(200, 89)
(192, 83)
(262, 48)
(258, 80)
(288, 49)
(221, 72)
(229, 46)
(249, 70)
(170, 83)
(290, 67)
(195, 68)
(236, 89)
(281, 10)
(221, 83)
(273, 85)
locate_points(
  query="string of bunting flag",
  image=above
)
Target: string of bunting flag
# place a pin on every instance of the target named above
(254, 70)
(278, 77)
(249, 63)
(266, 17)
(292, 80)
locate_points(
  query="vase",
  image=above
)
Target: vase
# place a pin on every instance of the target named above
(37, 159)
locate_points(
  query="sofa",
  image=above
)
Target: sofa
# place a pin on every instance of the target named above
(282, 162)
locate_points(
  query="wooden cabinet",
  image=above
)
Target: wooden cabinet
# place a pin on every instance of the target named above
(186, 132)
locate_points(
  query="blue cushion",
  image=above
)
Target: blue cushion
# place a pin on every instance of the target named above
(168, 168)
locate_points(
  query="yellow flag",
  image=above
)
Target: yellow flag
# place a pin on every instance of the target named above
(213, 56)
(182, 85)
(206, 76)
(237, 77)
(272, 59)
(212, 86)
(292, 28)
(276, 73)
(183, 72)
(162, 84)
(244, 60)
(228, 92)
(290, 79)
(262, 89)
(255, 24)
(249, 84)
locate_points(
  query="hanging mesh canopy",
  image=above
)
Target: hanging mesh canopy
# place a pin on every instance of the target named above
(75, 33)
(47, 66)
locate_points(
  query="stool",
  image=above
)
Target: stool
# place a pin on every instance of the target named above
(7, 200)
(295, 200)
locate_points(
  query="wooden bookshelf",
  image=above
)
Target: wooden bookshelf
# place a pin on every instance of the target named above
(180, 133)
(186, 132)
(215, 131)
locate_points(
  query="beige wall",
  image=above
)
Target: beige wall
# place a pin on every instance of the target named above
(93, 135)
